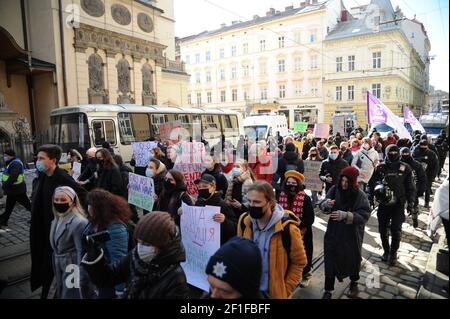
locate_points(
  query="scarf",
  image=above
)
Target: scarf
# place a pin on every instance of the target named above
(296, 205)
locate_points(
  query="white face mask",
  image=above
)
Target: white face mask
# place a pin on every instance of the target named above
(146, 253)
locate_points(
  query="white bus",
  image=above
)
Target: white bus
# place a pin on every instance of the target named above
(85, 126)
(260, 126)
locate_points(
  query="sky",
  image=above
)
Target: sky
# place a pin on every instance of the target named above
(195, 16)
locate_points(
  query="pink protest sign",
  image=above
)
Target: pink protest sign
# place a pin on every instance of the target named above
(322, 130)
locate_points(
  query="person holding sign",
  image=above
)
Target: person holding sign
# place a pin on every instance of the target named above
(208, 196)
(277, 234)
(108, 173)
(234, 271)
(152, 269)
(213, 168)
(157, 171)
(294, 199)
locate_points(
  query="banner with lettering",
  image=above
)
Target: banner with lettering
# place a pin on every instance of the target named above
(300, 126)
(312, 179)
(141, 191)
(142, 151)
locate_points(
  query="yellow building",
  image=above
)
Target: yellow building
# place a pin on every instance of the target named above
(64, 52)
(376, 54)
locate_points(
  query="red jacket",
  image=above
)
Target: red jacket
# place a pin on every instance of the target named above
(263, 168)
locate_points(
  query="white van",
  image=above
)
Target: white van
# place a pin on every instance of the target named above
(260, 126)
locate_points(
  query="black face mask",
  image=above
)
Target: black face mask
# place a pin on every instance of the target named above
(168, 185)
(61, 208)
(100, 162)
(291, 190)
(204, 193)
(406, 158)
(256, 212)
(393, 157)
(423, 149)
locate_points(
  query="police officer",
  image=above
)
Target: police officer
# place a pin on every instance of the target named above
(13, 185)
(442, 149)
(430, 163)
(392, 186)
(419, 178)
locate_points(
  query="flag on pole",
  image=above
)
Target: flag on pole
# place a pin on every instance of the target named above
(412, 120)
(378, 113)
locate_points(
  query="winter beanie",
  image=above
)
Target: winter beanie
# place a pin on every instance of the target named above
(156, 229)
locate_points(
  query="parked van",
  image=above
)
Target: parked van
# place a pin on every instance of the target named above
(261, 126)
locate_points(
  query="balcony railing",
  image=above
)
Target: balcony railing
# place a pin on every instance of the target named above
(174, 65)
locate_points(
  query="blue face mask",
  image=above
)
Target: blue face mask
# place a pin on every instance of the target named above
(333, 156)
(236, 171)
(40, 166)
(149, 172)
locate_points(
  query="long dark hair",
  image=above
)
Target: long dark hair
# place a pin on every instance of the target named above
(108, 160)
(106, 208)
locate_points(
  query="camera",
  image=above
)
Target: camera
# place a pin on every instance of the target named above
(99, 238)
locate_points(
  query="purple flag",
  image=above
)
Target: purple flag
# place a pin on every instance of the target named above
(375, 110)
(409, 116)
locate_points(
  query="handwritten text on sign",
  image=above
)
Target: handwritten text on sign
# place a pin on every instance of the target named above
(312, 179)
(201, 239)
(141, 152)
(76, 170)
(141, 191)
(191, 172)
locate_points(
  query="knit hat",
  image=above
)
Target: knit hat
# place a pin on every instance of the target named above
(352, 174)
(295, 175)
(156, 229)
(238, 262)
(392, 148)
(423, 143)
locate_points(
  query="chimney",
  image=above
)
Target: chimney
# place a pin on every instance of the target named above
(289, 8)
(271, 12)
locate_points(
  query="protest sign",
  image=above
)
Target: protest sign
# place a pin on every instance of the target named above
(312, 179)
(191, 172)
(165, 130)
(141, 152)
(76, 170)
(300, 126)
(201, 239)
(322, 130)
(141, 191)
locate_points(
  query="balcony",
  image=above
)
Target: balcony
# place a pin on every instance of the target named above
(174, 66)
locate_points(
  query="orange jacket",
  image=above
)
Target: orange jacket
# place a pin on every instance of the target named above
(283, 278)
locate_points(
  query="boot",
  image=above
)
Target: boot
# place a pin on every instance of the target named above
(327, 295)
(415, 221)
(393, 258)
(386, 248)
(354, 290)
(396, 238)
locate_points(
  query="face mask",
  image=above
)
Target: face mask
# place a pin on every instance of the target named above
(149, 172)
(168, 185)
(40, 166)
(61, 207)
(366, 146)
(423, 149)
(393, 157)
(100, 161)
(146, 253)
(406, 158)
(236, 171)
(256, 212)
(333, 156)
(313, 155)
(291, 189)
(204, 193)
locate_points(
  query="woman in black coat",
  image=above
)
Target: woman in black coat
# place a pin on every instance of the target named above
(213, 168)
(109, 177)
(349, 211)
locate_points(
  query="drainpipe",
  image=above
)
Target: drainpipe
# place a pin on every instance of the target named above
(63, 54)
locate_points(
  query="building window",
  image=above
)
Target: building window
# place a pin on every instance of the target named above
(245, 48)
(222, 74)
(262, 45)
(281, 42)
(233, 50)
(338, 93)
(314, 62)
(282, 91)
(376, 90)
(222, 53)
(281, 66)
(197, 58)
(314, 89)
(189, 99)
(262, 68)
(245, 95)
(298, 64)
(208, 76)
(298, 90)
(208, 56)
(197, 78)
(263, 93)
(313, 36)
(234, 95)
(209, 97)
(188, 59)
(339, 64)
(223, 96)
(351, 63)
(233, 72)
(376, 58)
(245, 70)
(351, 92)
(199, 99)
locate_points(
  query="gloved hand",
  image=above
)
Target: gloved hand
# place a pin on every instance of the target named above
(93, 250)
(339, 215)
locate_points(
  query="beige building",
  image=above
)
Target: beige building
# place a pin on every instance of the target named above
(65, 52)
(375, 54)
(271, 63)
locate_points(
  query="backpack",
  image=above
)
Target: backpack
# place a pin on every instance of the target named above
(285, 235)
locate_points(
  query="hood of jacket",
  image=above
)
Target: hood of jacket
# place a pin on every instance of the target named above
(291, 156)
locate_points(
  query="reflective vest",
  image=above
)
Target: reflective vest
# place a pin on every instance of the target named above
(5, 175)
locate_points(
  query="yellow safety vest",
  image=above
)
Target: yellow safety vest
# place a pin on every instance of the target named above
(5, 175)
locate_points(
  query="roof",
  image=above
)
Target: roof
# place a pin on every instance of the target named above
(258, 20)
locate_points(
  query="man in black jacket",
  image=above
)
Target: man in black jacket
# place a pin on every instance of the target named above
(430, 163)
(331, 168)
(50, 177)
(208, 196)
(419, 178)
(290, 161)
(442, 149)
(87, 178)
(14, 186)
(392, 185)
